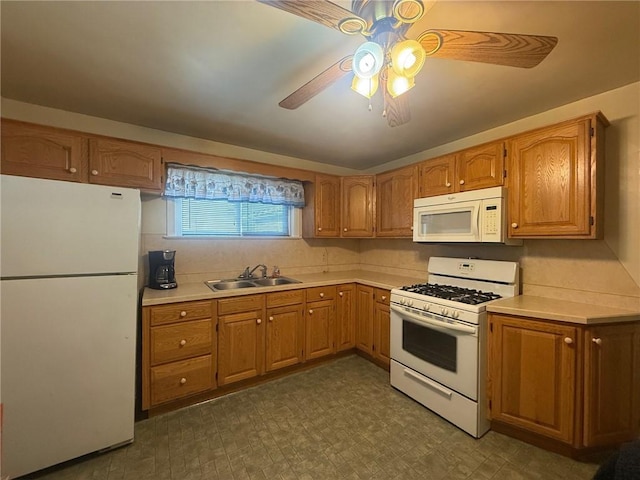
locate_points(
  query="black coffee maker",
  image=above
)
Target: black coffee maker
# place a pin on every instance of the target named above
(162, 274)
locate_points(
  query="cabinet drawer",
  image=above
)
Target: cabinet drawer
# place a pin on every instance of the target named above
(289, 297)
(180, 379)
(178, 312)
(243, 303)
(179, 341)
(382, 296)
(321, 293)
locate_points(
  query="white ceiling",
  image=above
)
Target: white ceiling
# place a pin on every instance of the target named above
(217, 70)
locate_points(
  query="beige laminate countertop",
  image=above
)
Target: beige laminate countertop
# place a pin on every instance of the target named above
(199, 291)
(561, 310)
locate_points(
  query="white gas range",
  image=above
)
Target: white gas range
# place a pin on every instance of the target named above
(438, 336)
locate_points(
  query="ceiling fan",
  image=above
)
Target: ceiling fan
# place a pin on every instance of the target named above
(393, 53)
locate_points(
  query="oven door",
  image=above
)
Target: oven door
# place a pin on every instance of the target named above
(440, 348)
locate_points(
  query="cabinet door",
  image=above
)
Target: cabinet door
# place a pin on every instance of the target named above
(532, 369)
(612, 384)
(382, 333)
(549, 182)
(125, 164)
(480, 167)
(357, 206)
(364, 319)
(346, 317)
(284, 337)
(319, 326)
(240, 346)
(43, 152)
(326, 207)
(437, 176)
(395, 192)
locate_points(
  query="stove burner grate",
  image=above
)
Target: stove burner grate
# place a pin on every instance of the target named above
(455, 294)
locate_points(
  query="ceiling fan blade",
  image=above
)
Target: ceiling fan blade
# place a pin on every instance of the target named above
(508, 49)
(397, 110)
(323, 12)
(317, 84)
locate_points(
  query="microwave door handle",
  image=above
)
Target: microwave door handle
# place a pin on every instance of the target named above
(432, 322)
(476, 221)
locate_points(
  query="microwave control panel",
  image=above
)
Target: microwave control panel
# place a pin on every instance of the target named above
(490, 220)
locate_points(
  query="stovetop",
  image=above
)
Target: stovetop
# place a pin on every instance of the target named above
(452, 293)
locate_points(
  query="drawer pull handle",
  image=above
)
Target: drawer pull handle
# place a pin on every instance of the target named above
(183, 342)
(310, 311)
(271, 319)
(461, 182)
(73, 170)
(183, 381)
(258, 321)
(345, 229)
(183, 313)
(322, 295)
(568, 340)
(341, 294)
(384, 297)
(597, 341)
(94, 172)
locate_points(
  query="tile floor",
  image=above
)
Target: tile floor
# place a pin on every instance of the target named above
(340, 420)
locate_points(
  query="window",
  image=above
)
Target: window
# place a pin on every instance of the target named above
(220, 218)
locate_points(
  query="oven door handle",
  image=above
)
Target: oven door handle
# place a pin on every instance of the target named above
(432, 321)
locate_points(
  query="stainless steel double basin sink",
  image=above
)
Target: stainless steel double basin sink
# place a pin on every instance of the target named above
(221, 285)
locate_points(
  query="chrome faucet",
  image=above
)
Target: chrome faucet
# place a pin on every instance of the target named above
(248, 273)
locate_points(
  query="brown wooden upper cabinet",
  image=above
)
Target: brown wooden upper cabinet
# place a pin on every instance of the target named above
(357, 206)
(470, 169)
(395, 192)
(43, 152)
(555, 180)
(125, 164)
(321, 217)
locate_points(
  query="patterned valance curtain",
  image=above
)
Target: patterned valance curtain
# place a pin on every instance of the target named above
(188, 181)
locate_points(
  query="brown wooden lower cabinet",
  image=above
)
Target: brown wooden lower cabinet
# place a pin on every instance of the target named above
(191, 348)
(576, 385)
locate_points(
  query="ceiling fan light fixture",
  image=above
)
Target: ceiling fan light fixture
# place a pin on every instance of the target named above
(367, 60)
(398, 84)
(365, 86)
(408, 11)
(407, 58)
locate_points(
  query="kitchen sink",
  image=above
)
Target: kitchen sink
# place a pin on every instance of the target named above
(217, 285)
(269, 282)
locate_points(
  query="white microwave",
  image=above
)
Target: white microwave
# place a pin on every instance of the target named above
(477, 216)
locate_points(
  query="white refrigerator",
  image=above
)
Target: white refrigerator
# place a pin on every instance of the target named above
(69, 296)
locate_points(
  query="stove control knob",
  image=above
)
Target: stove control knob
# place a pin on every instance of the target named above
(402, 301)
(444, 311)
(426, 307)
(410, 303)
(455, 314)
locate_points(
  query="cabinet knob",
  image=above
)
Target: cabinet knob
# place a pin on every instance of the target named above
(183, 313)
(568, 340)
(322, 295)
(94, 172)
(258, 321)
(461, 182)
(73, 170)
(310, 311)
(597, 341)
(319, 229)
(183, 342)
(344, 229)
(183, 381)
(271, 319)
(448, 184)
(514, 225)
(341, 294)
(384, 297)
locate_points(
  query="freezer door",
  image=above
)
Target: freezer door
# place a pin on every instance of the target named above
(68, 368)
(66, 228)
